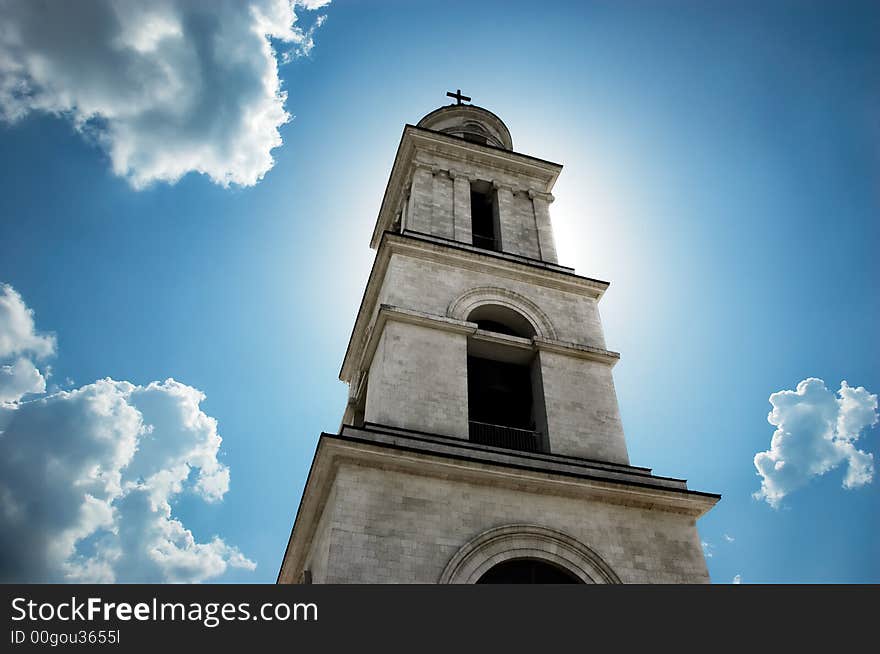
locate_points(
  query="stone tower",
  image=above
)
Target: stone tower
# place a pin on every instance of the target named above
(482, 440)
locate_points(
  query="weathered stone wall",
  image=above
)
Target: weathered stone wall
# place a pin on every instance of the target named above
(522, 230)
(420, 213)
(317, 558)
(395, 527)
(418, 380)
(418, 377)
(431, 286)
(443, 208)
(583, 418)
(434, 207)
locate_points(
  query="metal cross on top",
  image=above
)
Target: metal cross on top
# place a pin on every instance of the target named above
(458, 96)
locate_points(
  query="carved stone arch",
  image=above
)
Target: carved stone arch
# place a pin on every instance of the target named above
(512, 542)
(476, 127)
(464, 304)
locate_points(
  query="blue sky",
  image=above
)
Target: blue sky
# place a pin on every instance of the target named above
(722, 171)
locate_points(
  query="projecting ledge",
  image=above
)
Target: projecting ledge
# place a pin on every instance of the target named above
(393, 313)
(389, 312)
(577, 350)
(423, 453)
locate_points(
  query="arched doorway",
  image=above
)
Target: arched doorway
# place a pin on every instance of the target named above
(518, 542)
(527, 571)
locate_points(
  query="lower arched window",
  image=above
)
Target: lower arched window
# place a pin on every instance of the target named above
(505, 394)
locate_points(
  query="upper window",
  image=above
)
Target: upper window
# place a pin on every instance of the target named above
(484, 216)
(475, 138)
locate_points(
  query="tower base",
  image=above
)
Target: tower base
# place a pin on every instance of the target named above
(385, 505)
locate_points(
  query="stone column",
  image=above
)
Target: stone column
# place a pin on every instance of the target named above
(461, 207)
(404, 212)
(541, 203)
(442, 213)
(421, 200)
(506, 218)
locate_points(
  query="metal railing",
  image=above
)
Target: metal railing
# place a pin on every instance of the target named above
(511, 438)
(485, 242)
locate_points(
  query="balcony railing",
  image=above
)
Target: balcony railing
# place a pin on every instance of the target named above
(507, 437)
(485, 242)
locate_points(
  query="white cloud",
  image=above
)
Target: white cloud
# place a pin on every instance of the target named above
(19, 379)
(166, 87)
(729, 538)
(815, 433)
(19, 341)
(737, 579)
(18, 334)
(87, 477)
(313, 4)
(707, 549)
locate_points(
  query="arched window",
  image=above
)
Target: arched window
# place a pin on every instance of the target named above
(527, 571)
(505, 393)
(475, 138)
(497, 318)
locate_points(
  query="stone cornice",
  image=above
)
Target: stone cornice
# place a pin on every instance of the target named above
(388, 312)
(399, 314)
(447, 460)
(503, 339)
(415, 138)
(503, 264)
(577, 350)
(660, 493)
(462, 257)
(454, 173)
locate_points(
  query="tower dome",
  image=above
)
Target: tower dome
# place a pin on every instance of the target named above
(471, 123)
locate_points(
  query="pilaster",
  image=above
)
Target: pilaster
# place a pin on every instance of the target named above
(541, 203)
(421, 200)
(506, 215)
(461, 207)
(442, 209)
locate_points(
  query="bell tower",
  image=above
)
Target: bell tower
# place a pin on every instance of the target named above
(482, 440)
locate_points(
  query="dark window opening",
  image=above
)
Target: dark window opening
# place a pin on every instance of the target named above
(527, 571)
(475, 138)
(501, 407)
(499, 393)
(505, 387)
(484, 216)
(501, 319)
(492, 326)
